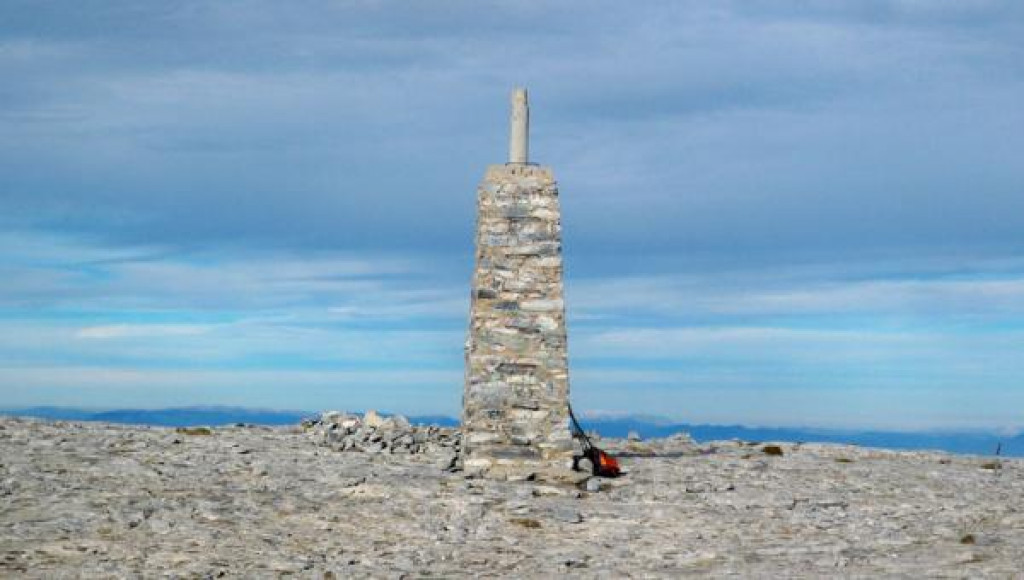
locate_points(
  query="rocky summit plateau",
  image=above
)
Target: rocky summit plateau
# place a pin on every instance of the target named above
(349, 496)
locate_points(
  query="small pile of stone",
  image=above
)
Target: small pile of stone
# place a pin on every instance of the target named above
(374, 433)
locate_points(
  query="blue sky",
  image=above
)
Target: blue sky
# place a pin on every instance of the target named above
(805, 213)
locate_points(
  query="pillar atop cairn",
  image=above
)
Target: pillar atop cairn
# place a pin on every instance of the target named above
(515, 415)
(519, 128)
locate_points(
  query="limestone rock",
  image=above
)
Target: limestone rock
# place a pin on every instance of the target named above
(373, 433)
(373, 420)
(96, 500)
(585, 465)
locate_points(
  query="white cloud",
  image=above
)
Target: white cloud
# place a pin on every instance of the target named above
(141, 331)
(64, 272)
(353, 331)
(753, 293)
(695, 142)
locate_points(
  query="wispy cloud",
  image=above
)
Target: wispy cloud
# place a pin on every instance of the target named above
(745, 131)
(140, 331)
(188, 326)
(937, 296)
(813, 207)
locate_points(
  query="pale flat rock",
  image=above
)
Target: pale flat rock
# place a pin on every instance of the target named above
(97, 500)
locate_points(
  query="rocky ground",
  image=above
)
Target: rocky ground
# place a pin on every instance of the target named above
(98, 500)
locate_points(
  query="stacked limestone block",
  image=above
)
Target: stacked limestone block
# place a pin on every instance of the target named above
(515, 406)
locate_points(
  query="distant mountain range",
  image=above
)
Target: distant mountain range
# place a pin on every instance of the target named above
(967, 442)
(975, 443)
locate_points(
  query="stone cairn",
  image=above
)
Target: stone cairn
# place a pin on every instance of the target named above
(515, 404)
(373, 433)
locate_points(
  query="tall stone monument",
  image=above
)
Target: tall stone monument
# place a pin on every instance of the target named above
(515, 417)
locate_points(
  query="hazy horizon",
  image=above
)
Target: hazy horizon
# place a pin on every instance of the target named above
(592, 414)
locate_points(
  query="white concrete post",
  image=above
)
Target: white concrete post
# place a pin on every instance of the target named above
(519, 131)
